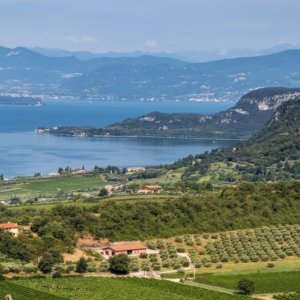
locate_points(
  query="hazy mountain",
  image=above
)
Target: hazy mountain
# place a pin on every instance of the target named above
(144, 77)
(86, 55)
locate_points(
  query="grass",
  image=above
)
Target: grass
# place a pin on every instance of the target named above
(24, 293)
(48, 187)
(51, 185)
(270, 282)
(94, 288)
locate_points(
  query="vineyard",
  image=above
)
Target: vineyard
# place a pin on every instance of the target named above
(294, 296)
(268, 282)
(24, 293)
(82, 288)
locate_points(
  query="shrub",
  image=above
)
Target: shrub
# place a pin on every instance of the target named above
(180, 250)
(270, 265)
(151, 245)
(156, 266)
(178, 239)
(189, 243)
(143, 255)
(56, 274)
(103, 266)
(119, 264)
(246, 286)
(166, 264)
(219, 266)
(81, 265)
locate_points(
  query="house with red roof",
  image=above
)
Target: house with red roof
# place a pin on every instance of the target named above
(12, 228)
(150, 189)
(129, 249)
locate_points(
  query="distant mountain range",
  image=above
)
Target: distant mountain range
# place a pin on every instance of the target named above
(248, 116)
(23, 71)
(189, 56)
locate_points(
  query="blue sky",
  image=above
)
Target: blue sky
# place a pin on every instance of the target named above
(156, 25)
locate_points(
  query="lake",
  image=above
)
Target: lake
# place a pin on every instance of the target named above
(24, 153)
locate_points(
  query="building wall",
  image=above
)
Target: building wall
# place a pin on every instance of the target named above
(14, 231)
(110, 252)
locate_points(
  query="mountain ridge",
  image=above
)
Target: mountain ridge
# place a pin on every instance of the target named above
(143, 78)
(271, 154)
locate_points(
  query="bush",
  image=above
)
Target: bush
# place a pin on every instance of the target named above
(143, 255)
(119, 264)
(246, 286)
(180, 250)
(219, 266)
(56, 274)
(178, 239)
(103, 266)
(30, 269)
(81, 265)
(270, 265)
(151, 245)
(189, 243)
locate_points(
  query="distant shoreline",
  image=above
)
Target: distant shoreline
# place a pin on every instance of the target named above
(147, 137)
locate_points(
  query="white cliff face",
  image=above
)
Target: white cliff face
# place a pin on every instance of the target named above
(241, 111)
(273, 102)
(263, 105)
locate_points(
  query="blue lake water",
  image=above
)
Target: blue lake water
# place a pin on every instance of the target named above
(23, 153)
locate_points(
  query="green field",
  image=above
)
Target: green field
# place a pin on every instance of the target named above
(270, 282)
(95, 288)
(50, 185)
(24, 293)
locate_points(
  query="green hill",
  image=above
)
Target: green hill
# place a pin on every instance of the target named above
(247, 117)
(271, 154)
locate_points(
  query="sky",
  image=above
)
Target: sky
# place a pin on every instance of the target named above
(154, 25)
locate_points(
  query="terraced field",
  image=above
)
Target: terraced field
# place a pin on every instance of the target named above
(19, 292)
(81, 288)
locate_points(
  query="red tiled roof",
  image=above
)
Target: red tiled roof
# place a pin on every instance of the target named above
(126, 247)
(9, 226)
(151, 187)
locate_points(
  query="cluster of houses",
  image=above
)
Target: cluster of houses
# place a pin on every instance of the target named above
(12, 228)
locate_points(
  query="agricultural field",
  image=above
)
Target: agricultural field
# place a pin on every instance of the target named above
(24, 293)
(270, 282)
(260, 249)
(95, 288)
(289, 296)
(49, 187)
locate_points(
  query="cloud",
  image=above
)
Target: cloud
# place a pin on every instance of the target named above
(151, 43)
(82, 39)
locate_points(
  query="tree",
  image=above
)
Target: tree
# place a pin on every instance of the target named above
(103, 192)
(119, 264)
(46, 263)
(81, 265)
(246, 286)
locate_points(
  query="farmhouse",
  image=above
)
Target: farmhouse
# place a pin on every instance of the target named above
(131, 170)
(111, 188)
(150, 189)
(129, 249)
(11, 228)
